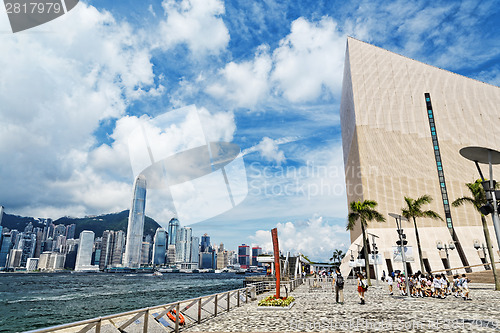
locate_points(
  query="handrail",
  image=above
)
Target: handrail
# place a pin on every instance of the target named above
(456, 268)
(252, 289)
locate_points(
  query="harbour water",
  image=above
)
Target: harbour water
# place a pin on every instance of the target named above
(36, 300)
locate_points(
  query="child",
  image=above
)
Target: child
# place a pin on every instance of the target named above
(436, 283)
(455, 285)
(389, 282)
(444, 286)
(465, 288)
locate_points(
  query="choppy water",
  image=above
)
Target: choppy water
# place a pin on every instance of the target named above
(37, 300)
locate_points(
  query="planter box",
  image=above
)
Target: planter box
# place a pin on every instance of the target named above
(275, 308)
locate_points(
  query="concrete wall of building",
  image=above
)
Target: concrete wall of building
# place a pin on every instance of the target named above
(388, 149)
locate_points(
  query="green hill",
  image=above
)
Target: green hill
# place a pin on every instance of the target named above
(97, 224)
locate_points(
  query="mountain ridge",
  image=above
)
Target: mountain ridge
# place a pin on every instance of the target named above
(98, 224)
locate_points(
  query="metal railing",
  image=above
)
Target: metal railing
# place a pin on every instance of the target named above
(320, 284)
(174, 316)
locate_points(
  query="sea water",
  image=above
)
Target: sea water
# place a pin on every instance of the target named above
(36, 300)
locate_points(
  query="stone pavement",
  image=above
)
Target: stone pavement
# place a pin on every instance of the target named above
(316, 311)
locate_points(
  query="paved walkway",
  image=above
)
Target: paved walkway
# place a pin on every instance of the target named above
(317, 312)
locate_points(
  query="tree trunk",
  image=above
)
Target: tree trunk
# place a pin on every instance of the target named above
(365, 252)
(418, 246)
(490, 251)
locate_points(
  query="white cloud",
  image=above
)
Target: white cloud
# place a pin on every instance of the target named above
(197, 23)
(245, 84)
(168, 134)
(57, 86)
(309, 58)
(314, 238)
(269, 149)
(307, 64)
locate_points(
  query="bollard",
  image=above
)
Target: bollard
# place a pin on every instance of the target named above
(199, 310)
(253, 293)
(146, 319)
(215, 310)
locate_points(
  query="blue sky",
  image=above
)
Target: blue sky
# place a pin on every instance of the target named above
(72, 89)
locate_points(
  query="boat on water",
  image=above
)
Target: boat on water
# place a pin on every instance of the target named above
(157, 273)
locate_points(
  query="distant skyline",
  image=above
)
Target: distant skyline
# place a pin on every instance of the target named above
(269, 73)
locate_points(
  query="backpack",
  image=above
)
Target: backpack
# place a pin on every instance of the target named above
(340, 281)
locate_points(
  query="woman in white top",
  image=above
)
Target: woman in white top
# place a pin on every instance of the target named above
(389, 282)
(362, 286)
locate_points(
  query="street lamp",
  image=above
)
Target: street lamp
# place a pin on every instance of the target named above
(401, 243)
(490, 157)
(482, 247)
(375, 252)
(451, 246)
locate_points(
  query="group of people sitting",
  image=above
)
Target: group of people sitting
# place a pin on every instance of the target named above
(429, 285)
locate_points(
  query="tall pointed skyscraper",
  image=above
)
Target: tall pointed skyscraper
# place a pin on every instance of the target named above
(136, 224)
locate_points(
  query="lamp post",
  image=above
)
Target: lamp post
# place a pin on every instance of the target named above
(440, 247)
(486, 156)
(353, 265)
(482, 247)
(375, 252)
(401, 245)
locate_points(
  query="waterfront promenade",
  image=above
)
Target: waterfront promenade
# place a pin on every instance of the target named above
(316, 311)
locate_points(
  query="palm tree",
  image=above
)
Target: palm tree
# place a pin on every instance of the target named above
(413, 210)
(364, 212)
(478, 199)
(337, 256)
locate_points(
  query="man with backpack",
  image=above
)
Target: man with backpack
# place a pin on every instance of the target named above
(339, 287)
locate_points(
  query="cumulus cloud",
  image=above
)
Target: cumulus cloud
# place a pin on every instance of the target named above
(314, 238)
(309, 58)
(308, 62)
(57, 87)
(196, 23)
(167, 134)
(247, 83)
(269, 149)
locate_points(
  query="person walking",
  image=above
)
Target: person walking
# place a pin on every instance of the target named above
(389, 282)
(339, 287)
(362, 287)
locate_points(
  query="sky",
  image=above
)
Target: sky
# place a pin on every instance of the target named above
(266, 74)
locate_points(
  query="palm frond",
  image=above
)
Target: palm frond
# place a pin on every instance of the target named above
(460, 201)
(351, 220)
(432, 214)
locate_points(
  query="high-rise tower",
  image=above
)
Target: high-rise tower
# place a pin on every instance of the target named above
(136, 224)
(84, 254)
(173, 229)
(160, 247)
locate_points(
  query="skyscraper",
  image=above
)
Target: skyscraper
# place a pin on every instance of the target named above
(244, 255)
(70, 231)
(183, 245)
(195, 252)
(84, 254)
(135, 228)
(112, 244)
(256, 251)
(173, 228)
(5, 249)
(403, 124)
(205, 243)
(159, 247)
